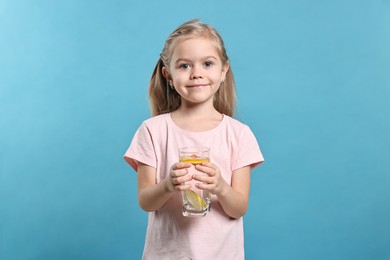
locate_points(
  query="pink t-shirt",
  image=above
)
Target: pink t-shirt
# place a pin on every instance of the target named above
(170, 235)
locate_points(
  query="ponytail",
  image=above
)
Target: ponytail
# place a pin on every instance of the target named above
(162, 98)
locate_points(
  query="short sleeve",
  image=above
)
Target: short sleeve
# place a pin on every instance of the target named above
(141, 149)
(248, 150)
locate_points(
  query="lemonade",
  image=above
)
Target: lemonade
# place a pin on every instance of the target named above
(196, 202)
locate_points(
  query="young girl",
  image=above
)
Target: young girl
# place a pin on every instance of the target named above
(192, 96)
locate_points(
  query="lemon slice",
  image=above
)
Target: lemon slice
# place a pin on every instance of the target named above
(195, 200)
(194, 160)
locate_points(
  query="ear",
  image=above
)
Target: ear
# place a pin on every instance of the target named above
(225, 69)
(166, 74)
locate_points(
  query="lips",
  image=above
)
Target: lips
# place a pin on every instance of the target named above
(197, 86)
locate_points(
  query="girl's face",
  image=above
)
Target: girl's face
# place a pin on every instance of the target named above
(196, 70)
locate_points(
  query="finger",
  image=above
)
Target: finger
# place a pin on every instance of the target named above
(180, 177)
(181, 165)
(206, 169)
(202, 178)
(183, 187)
(205, 186)
(185, 178)
(209, 164)
(179, 173)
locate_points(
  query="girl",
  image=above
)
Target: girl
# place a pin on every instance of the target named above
(192, 96)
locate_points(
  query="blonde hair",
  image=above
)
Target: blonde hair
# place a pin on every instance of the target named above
(163, 99)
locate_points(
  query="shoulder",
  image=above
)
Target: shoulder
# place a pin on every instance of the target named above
(239, 131)
(245, 144)
(156, 121)
(152, 126)
(235, 124)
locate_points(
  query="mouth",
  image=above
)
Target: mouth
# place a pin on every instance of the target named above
(197, 85)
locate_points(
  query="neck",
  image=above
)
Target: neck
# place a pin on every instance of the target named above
(197, 111)
(197, 118)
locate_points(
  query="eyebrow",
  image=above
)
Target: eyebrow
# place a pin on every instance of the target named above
(186, 60)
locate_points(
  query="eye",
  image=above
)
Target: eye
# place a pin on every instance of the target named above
(184, 66)
(208, 64)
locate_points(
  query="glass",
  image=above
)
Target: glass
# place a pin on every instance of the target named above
(196, 202)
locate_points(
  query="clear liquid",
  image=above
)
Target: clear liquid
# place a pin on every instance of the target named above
(188, 209)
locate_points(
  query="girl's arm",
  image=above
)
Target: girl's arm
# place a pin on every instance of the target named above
(151, 195)
(234, 199)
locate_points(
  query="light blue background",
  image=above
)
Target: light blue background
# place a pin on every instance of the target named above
(313, 83)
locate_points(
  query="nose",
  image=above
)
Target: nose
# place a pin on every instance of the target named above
(196, 73)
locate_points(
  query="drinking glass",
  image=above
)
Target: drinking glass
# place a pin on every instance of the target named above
(196, 202)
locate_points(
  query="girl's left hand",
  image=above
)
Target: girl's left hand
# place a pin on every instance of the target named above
(212, 179)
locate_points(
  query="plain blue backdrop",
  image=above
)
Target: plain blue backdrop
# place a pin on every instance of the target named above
(313, 82)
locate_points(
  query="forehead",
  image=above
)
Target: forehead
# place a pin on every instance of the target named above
(194, 47)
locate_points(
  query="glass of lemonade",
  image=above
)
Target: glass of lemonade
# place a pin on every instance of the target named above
(196, 202)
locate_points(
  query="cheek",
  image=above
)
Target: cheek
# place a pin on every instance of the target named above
(218, 77)
(179, 78)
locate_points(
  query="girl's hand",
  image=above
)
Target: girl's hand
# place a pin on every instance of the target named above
(177, 177)
(212, 179)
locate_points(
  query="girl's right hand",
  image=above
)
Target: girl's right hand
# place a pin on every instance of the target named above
(177, 177)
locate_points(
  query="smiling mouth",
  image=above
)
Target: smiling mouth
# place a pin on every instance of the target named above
(197, 85)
